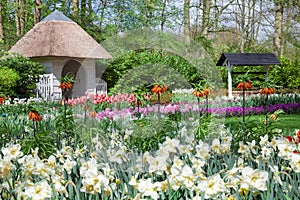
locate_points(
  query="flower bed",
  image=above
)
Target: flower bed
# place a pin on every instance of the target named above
(180, 169)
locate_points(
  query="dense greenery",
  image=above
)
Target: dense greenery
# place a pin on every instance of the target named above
(26, 75)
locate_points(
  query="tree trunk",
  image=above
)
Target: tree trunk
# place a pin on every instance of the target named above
(22, 17)
(37, 11)
(186, 21)
(163, 17)
(75, 8)
(1, 23)
(242, 25)
(278, 30)
(104, 4)
(17, 18)
(206, 17)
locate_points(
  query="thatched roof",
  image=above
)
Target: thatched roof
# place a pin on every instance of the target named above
(59, 36)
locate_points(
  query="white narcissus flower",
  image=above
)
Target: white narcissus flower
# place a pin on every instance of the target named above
(171, 145)
(212, 186)
(149, 189)
(57, 181)
(286, 150)
(38, 191)
(264, 141)
(266, 152)
(187, 177)
(276, 174)
(244, 149)
(93, 182)
(177, 166)
(157, 164)
(68, 165)
(255, 178)
(216, 146)
(295, 162)
(252, 146)
(12, 152)
(203, 151)
(233, 178)
(6, 167)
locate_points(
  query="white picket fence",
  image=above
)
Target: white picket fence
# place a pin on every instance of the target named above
(48, 87)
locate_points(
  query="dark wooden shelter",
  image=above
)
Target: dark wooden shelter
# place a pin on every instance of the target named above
(246, 59)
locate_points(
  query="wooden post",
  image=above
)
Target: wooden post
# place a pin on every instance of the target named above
(229, 69)
(266, 71)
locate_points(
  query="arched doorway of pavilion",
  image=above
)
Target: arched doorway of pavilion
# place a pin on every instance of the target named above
(74, 68)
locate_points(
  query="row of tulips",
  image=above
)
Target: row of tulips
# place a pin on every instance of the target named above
(192, 108)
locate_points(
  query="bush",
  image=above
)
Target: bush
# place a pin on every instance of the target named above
(28, 73)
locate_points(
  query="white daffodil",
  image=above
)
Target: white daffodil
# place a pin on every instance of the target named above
(255, 178)
(286, 150)
(38, 191)
(68, 165)
(264, 141)
(216, 146)
(203, 151)
(148, 189)
(212, 186)
(276, 174)
(244, 149)
(187, 177)
(12, 152)
(295, 162)
(157, 164)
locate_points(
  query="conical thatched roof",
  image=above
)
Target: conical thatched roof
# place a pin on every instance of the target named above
(57, 35)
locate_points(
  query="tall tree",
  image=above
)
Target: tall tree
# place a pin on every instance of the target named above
(278, 50)
(186, 19)
(17, 17)
(75, 5)
(1, 23)
(37, 11)
(206, 17)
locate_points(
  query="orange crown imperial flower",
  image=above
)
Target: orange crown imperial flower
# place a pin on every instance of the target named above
(65, 85)
(243, 85)
(159, 89)
(198, 93)
(267, 90)
(34, 116)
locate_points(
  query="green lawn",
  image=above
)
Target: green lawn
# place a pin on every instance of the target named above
(287, 122)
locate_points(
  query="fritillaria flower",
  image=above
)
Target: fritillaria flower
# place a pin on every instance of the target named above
(267, 90)
(34, 116)
(158, 89)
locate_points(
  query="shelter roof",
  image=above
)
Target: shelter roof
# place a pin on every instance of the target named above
(59, 36)
(248, 59)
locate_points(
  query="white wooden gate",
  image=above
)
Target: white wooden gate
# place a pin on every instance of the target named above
(47, 87)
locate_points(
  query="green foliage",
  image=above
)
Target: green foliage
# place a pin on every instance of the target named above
(144, 67)
(8, 80)
(28, 72)
(287, 74)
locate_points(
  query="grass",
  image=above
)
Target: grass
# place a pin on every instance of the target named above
(287, 122)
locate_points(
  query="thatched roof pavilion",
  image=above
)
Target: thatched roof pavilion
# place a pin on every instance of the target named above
(57, 35)
(63, 47)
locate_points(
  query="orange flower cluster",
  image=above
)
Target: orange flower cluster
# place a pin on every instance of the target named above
(266, 90)
(244, 86)
(202, 93)
(159, 89)
(92, 114)
(64, 85)
(34, 116)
